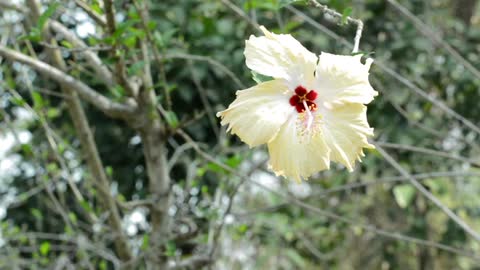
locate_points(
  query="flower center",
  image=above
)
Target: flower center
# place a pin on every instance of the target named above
(304, 100)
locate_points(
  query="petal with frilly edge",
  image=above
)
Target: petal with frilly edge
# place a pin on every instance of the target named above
(342, 78)
(295, 156)
(346, 130)
(257, 113)
(280, 56)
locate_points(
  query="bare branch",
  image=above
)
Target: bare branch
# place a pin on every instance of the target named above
(101, 102)
(241, 13)
(110, 14)
(334, 216)
(429, 152)
(204, 99)
(92, 58)
(427, 194)
(143, 10)
(209, 60)
(194, 262)
(436, 39)
(331, 12)
(94, 15)
(6, 4)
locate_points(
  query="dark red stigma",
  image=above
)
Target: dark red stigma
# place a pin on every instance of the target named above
(301, 94)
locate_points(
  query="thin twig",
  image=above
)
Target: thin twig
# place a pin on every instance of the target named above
(241, 13)
(333, 13)
(6, 4)
(158, 56)
(93, 14)
(96, 48)
(209, 60)
(429, 152)
(334, 216)
(102, 103)
(355, 185)
(432, 35)
(102, 71)
(428, 194)
(204, 99)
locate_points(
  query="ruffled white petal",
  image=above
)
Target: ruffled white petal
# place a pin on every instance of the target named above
(341, 78)
(257, 113)
(295, 156)
(345, 129)
(281, 56)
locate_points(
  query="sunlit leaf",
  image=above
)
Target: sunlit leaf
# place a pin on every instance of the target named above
(404, 194)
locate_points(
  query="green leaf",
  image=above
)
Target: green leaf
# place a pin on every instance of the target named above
(52, 167)
(86, 206)
(27, 149)
(171, 249)
(145, 242)
(346, 12)
(130, 41)
(215, 168)
(109, 171)
(171, 119)
(36, 213)
(53, 113)
(242, 229)
(151, 25)
(18, 101)
(123, 26)
(117, 91)
(259, 78)
(404, 194)
(103, 265)
(38, 102)
(47, 14)
(72, 217)
(66, 44)
(163, 39)
(234, 161)
(135, 68)
(44, 248)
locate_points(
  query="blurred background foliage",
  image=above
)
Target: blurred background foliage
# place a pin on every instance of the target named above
(202, 43)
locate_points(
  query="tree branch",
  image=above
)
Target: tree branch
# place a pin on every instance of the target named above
(434, 37)
(101, 102)
(94, 15)
(427, 194)
(90, 150)
(7, 5)
(367, 227)
(331, 12)
(92, 58)
(194, 262)
(155, 153)
(427, 151)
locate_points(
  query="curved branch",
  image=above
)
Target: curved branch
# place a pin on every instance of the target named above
(101, 102)
(12, 6)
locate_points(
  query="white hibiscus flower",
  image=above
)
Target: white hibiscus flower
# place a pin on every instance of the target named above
(311, 113)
